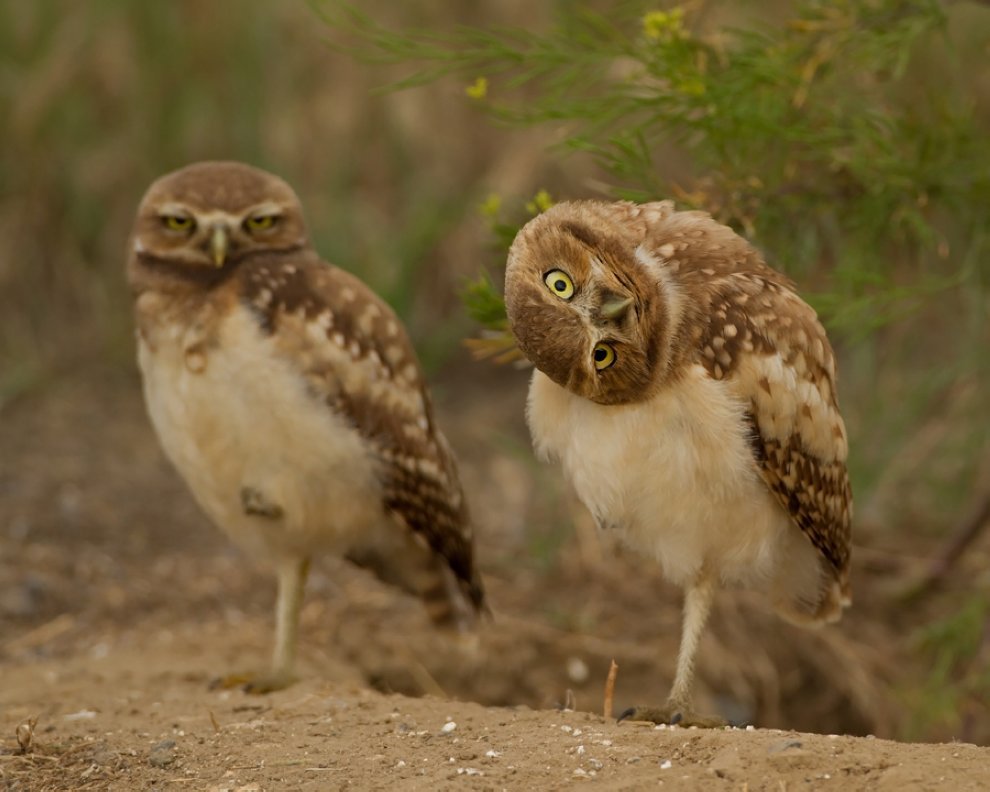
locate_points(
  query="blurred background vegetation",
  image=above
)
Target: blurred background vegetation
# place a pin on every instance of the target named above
(849, 140)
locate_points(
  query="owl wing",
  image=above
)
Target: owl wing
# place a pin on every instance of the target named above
(770, 349)
(354, 355)
(753, 332)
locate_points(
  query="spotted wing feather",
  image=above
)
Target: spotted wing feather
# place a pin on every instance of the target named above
(355, 356)
(788, 381)
(749, 328)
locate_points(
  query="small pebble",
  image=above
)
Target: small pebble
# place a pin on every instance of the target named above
(105, 756)
(666, 764)
(161, 754)
(577, 670)
(81, 715)
(448, 727)
(783, 745)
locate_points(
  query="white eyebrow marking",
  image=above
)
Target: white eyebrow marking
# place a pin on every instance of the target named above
(202, 219)
(212, 218)
(597, 266)
(172, 209)
(266, 208)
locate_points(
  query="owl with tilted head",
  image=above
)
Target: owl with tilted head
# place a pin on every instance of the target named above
(289, 398)
(689, 394)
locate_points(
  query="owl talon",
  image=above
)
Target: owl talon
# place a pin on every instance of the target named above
(268, 683)
(254, 502)
(254, 684)
(626, 714)
(672, 716)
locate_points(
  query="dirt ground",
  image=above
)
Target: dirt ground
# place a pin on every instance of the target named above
(119, 604)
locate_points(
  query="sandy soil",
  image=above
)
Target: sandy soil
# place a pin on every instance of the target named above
(142, 719)
(119, 604)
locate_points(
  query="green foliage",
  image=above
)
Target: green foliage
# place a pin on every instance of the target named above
(958, 679)
(483, 303)
(481, 298)
(102, 97)
(830, 140)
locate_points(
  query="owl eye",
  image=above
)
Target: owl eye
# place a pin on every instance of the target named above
(260, 222)
(604, 356)
(175, 222)
(560, 283)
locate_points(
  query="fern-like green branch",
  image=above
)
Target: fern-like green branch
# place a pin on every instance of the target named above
(821, 139)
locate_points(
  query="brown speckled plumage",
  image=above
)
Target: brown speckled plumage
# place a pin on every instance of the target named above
(387, 401)
(712, 435)
(289, 396)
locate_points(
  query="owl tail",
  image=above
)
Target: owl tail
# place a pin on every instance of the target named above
(806, 589)
(451, 603)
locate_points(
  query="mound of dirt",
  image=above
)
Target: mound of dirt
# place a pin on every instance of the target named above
(142, 719)
(119, 603)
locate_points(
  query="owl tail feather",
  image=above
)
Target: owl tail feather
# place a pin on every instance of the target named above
(827, 610)
(450, 602)
(807, 590)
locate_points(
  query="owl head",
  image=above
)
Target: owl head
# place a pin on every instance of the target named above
(585, 306)
(208, 216)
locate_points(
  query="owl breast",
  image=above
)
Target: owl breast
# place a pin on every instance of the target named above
(674, 475)
(234, 418)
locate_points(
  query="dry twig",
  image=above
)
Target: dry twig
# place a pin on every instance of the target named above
(613, 671)
(964, 536)
(25, 733)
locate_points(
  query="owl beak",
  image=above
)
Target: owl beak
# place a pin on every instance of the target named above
(616, 308)
(219, 244)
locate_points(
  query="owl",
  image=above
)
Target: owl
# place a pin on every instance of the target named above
(689, 395)
(289, 398)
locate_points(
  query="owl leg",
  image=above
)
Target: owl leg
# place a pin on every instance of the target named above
(677, 710)
(291, 587)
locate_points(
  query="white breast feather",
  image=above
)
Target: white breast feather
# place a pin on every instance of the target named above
(246, 419)
(675, 475)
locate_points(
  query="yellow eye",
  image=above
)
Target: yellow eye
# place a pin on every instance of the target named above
(560, 283)
(604, 356)
(178, 222)
(260, 222)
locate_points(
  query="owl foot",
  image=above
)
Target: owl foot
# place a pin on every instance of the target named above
(254, 502)
(673, 714)
(256, 684)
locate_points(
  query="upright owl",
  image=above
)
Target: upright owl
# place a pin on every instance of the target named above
(689, 394)
(289, 397)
